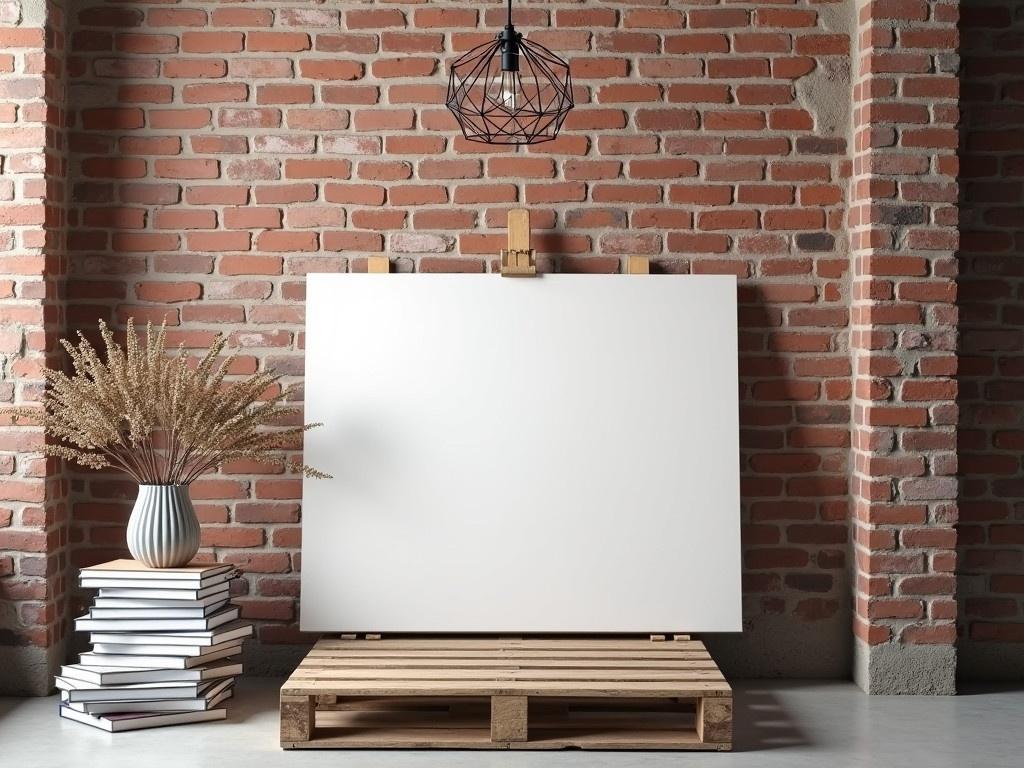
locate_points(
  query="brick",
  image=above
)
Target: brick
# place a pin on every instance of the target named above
(284, 94)
(521, 167)
(593, 68)
(242, 17)
(287, 241)
(187, 169)
(243, 264)
(699, 92)
(230, 117)
(403, 67)
(662, 169)
(738, 68)
(212, 42)
(203, 93)
(444, 18)
(168, 218)
(168, 291)
(224, 536)
(627, 42)
(384, 119)
(218, 241)
(899, 10)
(785, 18)
(330, 69)
(411, 42)
(346, 43)
(763, 94)
(317, 169)
(718, 17)
(450, 169)
(277, 42)
(374, 18)
(666, 119)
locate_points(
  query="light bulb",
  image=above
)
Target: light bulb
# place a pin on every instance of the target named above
(504, 91)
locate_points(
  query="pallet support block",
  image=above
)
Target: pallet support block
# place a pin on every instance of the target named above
(714, 719)
(508, 718)
(298, 717)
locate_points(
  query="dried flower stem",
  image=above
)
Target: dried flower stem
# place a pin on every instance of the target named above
(162, 420)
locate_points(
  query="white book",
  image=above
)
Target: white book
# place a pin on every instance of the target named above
(162, 593)
(91, 582)
(90, 624)
(103, 601)
(139, 661)
(79, 691)
(134, 721)
(215, 636)
(166, 652)
(196, 612)
(108, 676)
(217, 694)
(133, 569)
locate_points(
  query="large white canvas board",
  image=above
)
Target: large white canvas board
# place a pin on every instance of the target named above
(552, 454)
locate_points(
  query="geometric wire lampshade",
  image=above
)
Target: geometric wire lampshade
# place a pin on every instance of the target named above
(510, 91)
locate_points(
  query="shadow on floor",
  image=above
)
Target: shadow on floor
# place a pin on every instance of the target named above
(760, 722)
(7, 706)
(983, 688)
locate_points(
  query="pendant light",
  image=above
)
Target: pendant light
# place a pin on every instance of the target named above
(510, 91)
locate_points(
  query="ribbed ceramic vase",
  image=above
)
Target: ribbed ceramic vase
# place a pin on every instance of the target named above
(163, 531)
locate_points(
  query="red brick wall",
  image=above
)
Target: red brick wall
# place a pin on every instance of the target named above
(221, 152)
(992, 360)
(33, 503)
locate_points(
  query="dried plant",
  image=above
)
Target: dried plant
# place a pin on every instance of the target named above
(162, 419)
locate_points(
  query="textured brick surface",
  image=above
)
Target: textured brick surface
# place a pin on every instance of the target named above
(902, 226)
(991, 374)
(218, 155)
(33, 504)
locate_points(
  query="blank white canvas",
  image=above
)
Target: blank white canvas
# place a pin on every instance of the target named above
(555, 454)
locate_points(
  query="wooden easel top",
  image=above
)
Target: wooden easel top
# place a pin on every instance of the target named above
(518, 259)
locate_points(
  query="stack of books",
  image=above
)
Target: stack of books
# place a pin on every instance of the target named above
(164, 645)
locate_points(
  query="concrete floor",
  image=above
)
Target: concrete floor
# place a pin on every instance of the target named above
(787, 725)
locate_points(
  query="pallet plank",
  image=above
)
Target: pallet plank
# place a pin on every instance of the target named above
(502, 643)
(610, 676)
(315, 687)
(670, 652)
(412, 662)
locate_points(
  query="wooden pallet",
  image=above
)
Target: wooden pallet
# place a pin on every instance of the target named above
(507, 694)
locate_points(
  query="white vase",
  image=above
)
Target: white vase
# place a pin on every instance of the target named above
(163, 530)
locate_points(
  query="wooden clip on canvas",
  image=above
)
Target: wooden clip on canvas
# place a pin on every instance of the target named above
(637, 265)
(518, 260)
(378, 264)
